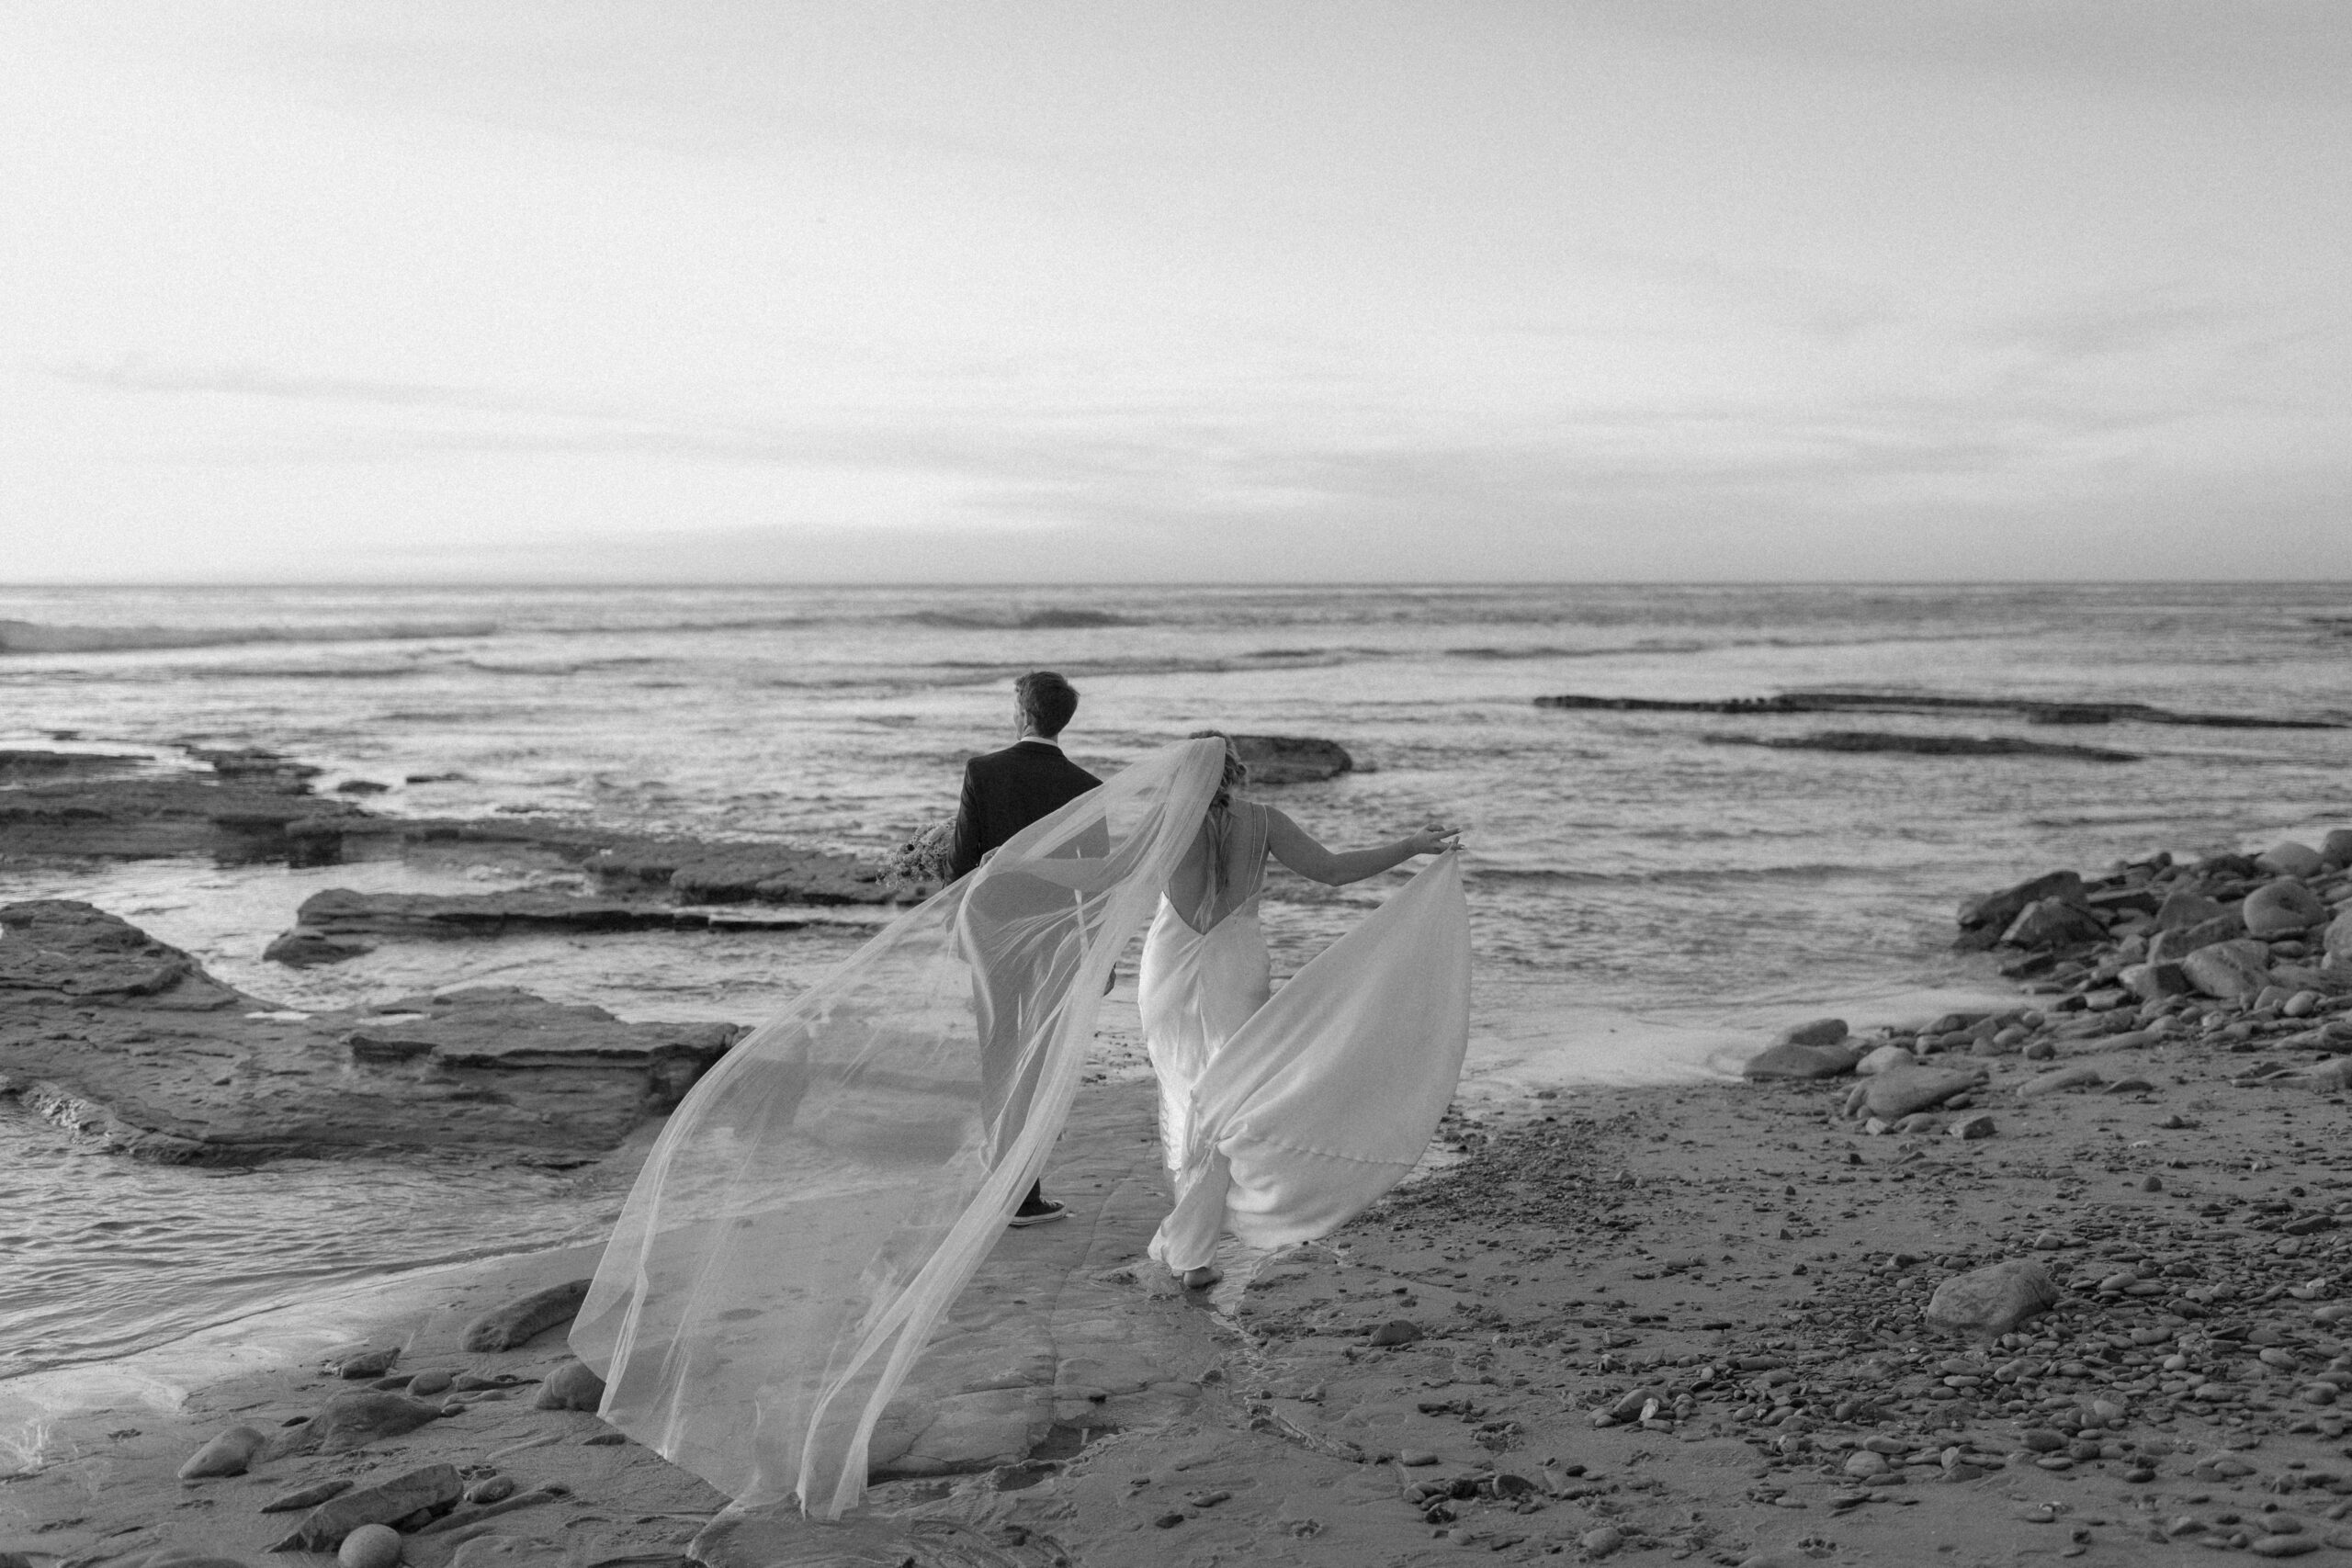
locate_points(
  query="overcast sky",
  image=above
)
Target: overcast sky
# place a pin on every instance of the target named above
(682, 290)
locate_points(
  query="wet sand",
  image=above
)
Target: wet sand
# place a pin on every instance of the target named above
(1748, 1267)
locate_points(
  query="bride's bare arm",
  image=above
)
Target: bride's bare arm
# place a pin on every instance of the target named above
(1291, 845)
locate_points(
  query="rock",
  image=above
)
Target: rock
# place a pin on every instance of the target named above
(2173, 945)
(121, 1039)
(508, 1551)
(1996, 910)
(431, 1383)
(226, 1454)
(571, 1386)
(1800, 1062)
(367, 1363)
(353, 1421)
(2284, 1545)
(2052, 922)
(307, 1496)
(1820, 1031)
(1896, 1093)
(1278, 760)
(1863, 1465)
(330, 924)
(1972, 1127)
(518, 1322)
(2329, 1078)
(2081, 1075)
(369, 1546)
(434, 1488)
(1602, 1542)
(1885, 1056)
(2229, 969)
(2284, 908)
(2155, 982)
(1397, 1331)
(2288, 858)
(1989, 1302)
(491, 1489)
(2184, 908)
(2336, 848)
(2338, 939)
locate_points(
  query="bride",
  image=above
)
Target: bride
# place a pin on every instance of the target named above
(1205, 974)
(823, 1194)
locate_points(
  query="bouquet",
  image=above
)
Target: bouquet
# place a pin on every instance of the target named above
(922, 861)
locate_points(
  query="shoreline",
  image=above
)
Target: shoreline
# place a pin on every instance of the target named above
(1662, 1322)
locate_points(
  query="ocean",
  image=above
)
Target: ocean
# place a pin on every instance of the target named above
(1650, 898)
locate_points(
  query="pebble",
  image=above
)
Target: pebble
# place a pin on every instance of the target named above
(491, 1489)
(2282, 1545)
(1602, 1542)
(1972, 1128)
(369, 1546)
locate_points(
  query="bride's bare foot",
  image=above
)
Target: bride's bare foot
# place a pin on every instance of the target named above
(1201, 1279)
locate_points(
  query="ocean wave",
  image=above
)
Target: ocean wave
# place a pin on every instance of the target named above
(1675, 877)
(1554, 652)
(31, 636)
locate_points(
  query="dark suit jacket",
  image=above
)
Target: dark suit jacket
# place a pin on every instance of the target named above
(1005, 791)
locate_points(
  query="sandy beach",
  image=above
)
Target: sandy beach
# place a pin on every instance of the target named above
(1663, 1324)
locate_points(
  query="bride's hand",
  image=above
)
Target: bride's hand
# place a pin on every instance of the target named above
(1435, 839)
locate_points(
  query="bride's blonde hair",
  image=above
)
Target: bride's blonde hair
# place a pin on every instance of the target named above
(1236, 772)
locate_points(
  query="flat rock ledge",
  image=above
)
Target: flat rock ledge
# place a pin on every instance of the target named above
(333, 925)
(251, 807)
(128, 1041)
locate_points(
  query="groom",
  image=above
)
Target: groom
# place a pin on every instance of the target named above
(1003, 793)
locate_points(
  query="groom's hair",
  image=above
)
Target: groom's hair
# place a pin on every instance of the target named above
(1048, 699)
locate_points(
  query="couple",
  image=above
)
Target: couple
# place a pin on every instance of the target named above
(1205, 971)
(825, 1192)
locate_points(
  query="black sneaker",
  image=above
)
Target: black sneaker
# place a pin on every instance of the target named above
(1044, 1212)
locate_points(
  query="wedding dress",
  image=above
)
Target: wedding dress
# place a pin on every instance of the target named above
(830, 1185)
(1284, 1116)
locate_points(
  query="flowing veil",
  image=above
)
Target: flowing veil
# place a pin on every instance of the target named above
(830, 1187)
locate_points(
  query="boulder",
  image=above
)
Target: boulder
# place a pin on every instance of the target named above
(519, 1322)
(571, 1386)
(1897, 1092)
(2288, 858)
(2339, 938)
(2336, 848)
(1801, 1062)
(2173, 945)
(1885, 1056)
(2228, 970)
(226, 1454)
(2052, 922)
(433, 1488)
(1276, 760)
(2155, 982)
(1820, 1031)
(1987, 1303)
(1997, 910)
(2284, 908)
(2184, 908)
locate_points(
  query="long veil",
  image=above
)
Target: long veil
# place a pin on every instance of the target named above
(830, 1187)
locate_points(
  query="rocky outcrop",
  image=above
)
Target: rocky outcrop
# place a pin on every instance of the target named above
(1927, 745)
(128, 1041)
(333, 925)
(1276, 760)
(248, 805)
(2032, 711)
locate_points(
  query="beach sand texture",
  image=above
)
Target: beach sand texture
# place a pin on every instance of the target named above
(1663, 1324)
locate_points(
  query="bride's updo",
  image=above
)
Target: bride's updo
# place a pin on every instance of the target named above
(1236, 772)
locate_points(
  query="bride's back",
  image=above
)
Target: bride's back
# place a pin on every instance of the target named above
(1225, 867)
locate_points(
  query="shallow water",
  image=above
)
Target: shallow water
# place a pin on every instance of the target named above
(1647, 902)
